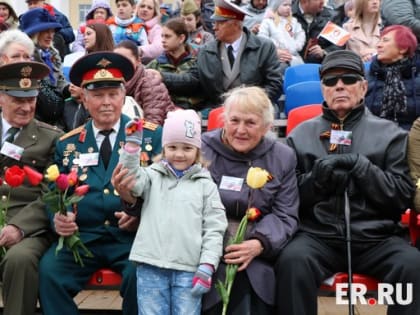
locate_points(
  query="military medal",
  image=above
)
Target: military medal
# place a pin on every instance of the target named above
(70, 147)
(148, 147)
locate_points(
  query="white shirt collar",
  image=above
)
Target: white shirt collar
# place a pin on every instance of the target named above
(115, 128)
(235, 45)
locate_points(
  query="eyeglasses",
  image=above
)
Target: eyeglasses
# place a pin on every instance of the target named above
(347, 79)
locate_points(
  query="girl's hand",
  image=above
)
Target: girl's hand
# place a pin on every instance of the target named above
(242, 254)
(123, 183)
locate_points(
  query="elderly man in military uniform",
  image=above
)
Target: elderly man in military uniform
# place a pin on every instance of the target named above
(93, 149)
(235, 57)
(24, 141)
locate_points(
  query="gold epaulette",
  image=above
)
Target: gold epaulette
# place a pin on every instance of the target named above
(149, 125)
(72, 132)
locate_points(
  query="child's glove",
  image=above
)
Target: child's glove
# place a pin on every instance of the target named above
(134, 131)
(202, 279)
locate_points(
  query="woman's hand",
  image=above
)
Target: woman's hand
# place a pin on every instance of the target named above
(123, 183)
(65, 225)
(242, 254)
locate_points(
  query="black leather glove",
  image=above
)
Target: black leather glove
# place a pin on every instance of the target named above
(321, 172)
(323, 175)
(339, 180)
(346, 161)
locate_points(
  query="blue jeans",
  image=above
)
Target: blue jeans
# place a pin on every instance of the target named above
(165, 292)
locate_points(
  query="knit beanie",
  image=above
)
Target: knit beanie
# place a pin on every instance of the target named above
(188, 7)
(99, 4)
(182, 126)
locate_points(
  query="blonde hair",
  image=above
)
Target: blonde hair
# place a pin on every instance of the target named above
(250, 99)
(359, 7)
(156, 9)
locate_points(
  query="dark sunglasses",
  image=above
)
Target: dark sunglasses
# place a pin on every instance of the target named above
(346, 78)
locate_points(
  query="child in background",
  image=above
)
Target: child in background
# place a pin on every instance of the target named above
(197, 36)
(180, 238)
(286, 33)
(127, 25)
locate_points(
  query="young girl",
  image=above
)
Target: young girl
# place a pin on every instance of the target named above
(178, 57)
(179, 241)
(286, 33)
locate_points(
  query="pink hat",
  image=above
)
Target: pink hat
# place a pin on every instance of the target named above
(182, 126)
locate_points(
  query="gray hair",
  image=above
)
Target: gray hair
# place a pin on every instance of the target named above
(15, 36)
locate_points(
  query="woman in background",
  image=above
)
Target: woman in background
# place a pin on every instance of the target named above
(149, 12)
(40, 26)
(98, 37)
(364, 28)
(393, 78)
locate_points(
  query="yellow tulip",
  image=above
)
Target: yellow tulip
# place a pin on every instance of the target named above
(52, 173)
(257, 177)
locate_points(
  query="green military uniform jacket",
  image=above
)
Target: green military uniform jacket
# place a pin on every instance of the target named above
(95, 212)
(25, 209)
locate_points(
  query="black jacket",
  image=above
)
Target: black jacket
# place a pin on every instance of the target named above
(380, 188)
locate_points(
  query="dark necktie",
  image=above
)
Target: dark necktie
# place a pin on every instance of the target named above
(11, 134)
(106, 149)
(231, 56)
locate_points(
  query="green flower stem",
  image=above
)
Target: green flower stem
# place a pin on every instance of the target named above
(231, 269)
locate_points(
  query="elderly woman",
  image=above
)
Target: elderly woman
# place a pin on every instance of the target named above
(243, 142)
(40, 26)
(15, 46)
(394, 81)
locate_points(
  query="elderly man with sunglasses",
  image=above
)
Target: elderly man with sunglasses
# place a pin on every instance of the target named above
(348, 154)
